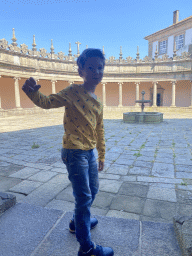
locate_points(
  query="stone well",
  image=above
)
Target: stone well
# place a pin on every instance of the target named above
(143, 117)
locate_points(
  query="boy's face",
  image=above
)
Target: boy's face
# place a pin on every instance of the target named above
(92, 73)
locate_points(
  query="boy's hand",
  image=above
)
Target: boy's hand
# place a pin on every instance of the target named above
(101, 166)
(30, 86)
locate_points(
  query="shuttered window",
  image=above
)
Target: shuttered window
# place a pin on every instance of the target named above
(179, 41)
(163, 47)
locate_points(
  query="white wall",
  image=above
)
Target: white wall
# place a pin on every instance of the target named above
(188, 36)
(188, 41)
(154, 48)
(170, 46)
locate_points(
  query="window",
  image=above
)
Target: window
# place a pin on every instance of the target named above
(179, 41)
(163, 47)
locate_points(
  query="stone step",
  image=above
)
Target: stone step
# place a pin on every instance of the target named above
(28, 230)
(6, 201)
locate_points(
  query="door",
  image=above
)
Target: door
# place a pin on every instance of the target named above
(158, 99)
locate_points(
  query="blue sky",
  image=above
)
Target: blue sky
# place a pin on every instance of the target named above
(94, 23)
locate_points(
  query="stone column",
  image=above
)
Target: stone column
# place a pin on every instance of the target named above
(120, 95)
(191, 94)
(17, 94)
(137, 94)
(104, 95)
(155, 94)
(173, 94)
(53, 86)
(0, 100)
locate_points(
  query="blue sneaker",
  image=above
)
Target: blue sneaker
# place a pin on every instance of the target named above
(94, 223)
(97, 250)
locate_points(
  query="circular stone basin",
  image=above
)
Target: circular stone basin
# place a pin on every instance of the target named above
(143, 117)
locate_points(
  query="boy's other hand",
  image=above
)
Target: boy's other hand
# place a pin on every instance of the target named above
(101, 166)
(30, 85)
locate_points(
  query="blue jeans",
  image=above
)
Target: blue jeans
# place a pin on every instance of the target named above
(83, 174)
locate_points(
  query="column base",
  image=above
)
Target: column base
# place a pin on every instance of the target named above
(172, 106)
(120, 106)
(190, 106)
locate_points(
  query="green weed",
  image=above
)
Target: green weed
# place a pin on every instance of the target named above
(137, 154)
(142, 146)
(184, 183)
(35, 145)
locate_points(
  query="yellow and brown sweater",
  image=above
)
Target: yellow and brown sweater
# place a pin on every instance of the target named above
(83, 118)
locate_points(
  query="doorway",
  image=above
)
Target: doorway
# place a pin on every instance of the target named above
(158, 99)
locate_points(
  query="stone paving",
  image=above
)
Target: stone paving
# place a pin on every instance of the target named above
(147, 175)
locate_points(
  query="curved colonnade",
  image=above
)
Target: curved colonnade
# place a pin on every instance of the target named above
(166, 81)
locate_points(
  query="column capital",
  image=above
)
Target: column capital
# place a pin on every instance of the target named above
(70, 82)
(174, 81)
(16, 78)
(155, 82)
(103, 83)
(53, 81)
(137, 83)
(120, 83)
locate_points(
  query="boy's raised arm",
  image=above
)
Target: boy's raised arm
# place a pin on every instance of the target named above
(52, 101)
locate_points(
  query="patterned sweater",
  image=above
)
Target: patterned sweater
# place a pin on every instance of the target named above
(83, 118)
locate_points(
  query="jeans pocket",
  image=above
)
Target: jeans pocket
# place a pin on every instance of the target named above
(64, 155)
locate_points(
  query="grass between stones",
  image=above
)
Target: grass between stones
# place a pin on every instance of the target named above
(184, 182)
(35, 145)
(137, 154)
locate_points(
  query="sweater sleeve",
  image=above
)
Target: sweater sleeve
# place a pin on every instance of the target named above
(100, 138)
(52, 101)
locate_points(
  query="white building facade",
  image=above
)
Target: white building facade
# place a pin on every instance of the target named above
(174, 39)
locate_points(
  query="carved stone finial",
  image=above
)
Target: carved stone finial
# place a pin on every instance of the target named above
(156, 53)
(52, 48)
(86, 46)
(120, 54)
(78, 52)
(103, 51)
(14, 39)
(70, 51)
(137, 58)
(34, 44)
(174, 50)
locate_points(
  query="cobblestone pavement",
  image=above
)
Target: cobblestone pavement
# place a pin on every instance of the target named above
(147, 175)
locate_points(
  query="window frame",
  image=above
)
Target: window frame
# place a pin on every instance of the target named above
(175, 40)
(166, 48)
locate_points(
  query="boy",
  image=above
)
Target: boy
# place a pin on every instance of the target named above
(83, 124)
